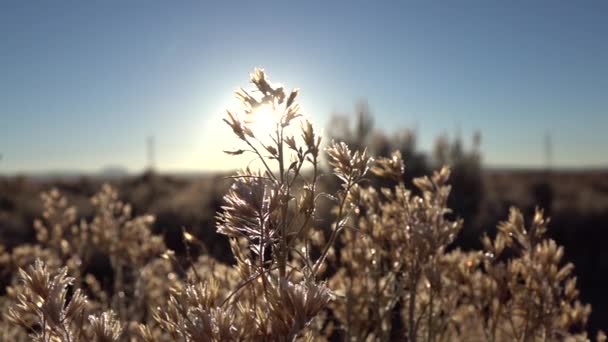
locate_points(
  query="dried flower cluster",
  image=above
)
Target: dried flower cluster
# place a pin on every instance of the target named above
(385, 270)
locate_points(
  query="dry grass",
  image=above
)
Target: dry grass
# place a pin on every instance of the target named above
(385, 270)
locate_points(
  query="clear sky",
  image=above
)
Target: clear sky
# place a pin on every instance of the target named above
(83, 83)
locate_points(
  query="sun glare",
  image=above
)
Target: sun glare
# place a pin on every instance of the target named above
(263, 120)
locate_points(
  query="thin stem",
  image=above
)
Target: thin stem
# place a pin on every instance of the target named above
(247, 176)
(411, 308)
(349, 307)
(242, 285)
(261, 158)
(313, 190)
(302, 256)
(283, 228)
(189, 255)
(495, 321)
(430, 317)
(376, 300)
(262, 249)
(334, 233)
(44, 328)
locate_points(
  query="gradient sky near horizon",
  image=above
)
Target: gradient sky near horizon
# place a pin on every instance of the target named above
(84, 83)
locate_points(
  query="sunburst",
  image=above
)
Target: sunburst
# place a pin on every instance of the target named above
(263, 120)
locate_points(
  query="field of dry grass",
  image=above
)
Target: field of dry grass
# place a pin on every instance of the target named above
(279, 255)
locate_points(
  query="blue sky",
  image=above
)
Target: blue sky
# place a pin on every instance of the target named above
(83, 83)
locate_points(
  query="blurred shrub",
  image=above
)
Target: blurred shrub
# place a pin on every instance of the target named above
(357, 131)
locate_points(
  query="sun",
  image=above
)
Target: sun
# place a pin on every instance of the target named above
(263, 119)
